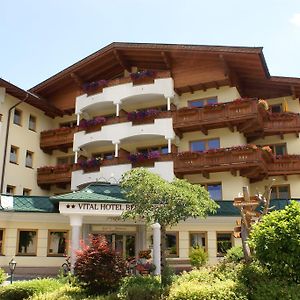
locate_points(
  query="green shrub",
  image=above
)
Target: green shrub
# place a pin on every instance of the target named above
(98, 268)
(140, 288)
(24, 289)
(2, 276)
(198, 257)
(276, 241)
(235, 254)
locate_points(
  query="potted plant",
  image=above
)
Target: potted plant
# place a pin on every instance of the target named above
(95, 86)
(143, 77)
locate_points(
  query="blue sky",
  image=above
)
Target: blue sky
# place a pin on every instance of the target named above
(41, 37)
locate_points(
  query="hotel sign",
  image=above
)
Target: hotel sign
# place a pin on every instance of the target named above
(92, 208)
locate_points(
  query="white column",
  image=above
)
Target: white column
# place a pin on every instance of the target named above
(76, 157)
(116, 149)
(117, 109)
(76, 223)
(156, 248)
(168, 103)
(169, 145)
(78, 119)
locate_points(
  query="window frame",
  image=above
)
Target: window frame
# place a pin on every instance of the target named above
(273, 147)
(49, 240)
(26, 190)
(34, 117)
(70, 124)
(213, 183)
(20, 115)
(231, 239)
(32, 154)
(17, 154)
(2, 242)
(70, 159)
(176, 233)
(198, 232)
(150, 148)
(204, 100)
(18, 240)
(277, 186)
(274, 105)
(206, 141)
(13, 187)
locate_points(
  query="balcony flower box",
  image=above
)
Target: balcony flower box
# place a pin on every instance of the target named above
(92, 125)
(143, 116)
(90, 165)
(187, 155)
(61, 169)
(144, 159)
(95, 86)
(143, 77)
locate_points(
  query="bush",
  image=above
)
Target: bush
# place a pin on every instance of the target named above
(276, 241)
(98, 268)
(2, 276)
(204, 284)
(141, 288)
(198, 257)
(235, 254)
(24, 289)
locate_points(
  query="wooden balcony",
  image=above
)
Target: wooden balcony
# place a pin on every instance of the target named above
(240, 113)
(250, 162)
(57, 139)
(54, 175)
(284, 165)
(276, 124)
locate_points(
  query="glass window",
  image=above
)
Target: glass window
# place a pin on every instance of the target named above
(32, 123)
(276, 108)
(13, 156)
(27, 242)
(215, 190)
(224, 243)
(29, 159)
(1, 241)
(164, 150)
(10, 189)
(279, 149)
(57, 243)
(197, 239)
(280, 192)
(213, 144)
(68, 124)
(17, 117)
(26, 192)
(198, 146)
(202, 102)
(172, 244)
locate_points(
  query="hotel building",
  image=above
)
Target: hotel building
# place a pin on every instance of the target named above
(179, 110)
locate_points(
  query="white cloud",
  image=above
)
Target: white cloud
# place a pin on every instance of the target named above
(295, 19)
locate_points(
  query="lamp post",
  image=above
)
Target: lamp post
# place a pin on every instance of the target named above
(12, 266)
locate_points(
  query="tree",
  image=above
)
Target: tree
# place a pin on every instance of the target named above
(168, 203)
(276, 242)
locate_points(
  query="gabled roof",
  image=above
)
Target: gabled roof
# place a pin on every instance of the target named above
(30, 98)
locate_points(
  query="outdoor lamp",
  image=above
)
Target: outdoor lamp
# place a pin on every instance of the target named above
(12, 266)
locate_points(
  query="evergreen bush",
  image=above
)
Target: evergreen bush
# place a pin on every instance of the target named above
(198, 257)
(235, 254)
(2, 276)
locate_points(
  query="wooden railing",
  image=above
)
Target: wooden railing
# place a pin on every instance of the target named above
(227, 114)
(282, 123)
(250, 162)
(285, 165)
(59, 175)
(60, 138)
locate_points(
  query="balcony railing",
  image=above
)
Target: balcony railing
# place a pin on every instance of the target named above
(285, 165)
(54, 175)
(60, 138)
(229, 114)
(250, 161)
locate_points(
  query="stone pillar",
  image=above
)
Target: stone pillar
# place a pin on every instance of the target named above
(76, 223)
(156, 248)
(86, 230)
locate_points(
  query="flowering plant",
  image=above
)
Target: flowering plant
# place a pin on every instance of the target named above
(143, 74)
(89, 163)
(94, 85)
(267, 149)
(140, 156)
(141, 114)
(145, 254)
(263, 103)
(88, 123)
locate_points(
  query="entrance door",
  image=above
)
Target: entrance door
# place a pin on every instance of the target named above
(122, 244)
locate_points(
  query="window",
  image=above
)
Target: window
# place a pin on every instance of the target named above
(65, 160)
(29, 159)
(32, 123)
(224, 242)
(202, 102)
(13, 157)
(27, 242)
(10, 189)
(214, 189)
(276, 108)
(68, 124)
(172, 244)
(198, 239)
(17, 117)
(26, 192)
(106, 155)
(57, 242)
(200, 146)
(279, 149)
(281, 192)
(161, 149)
(1, 241)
